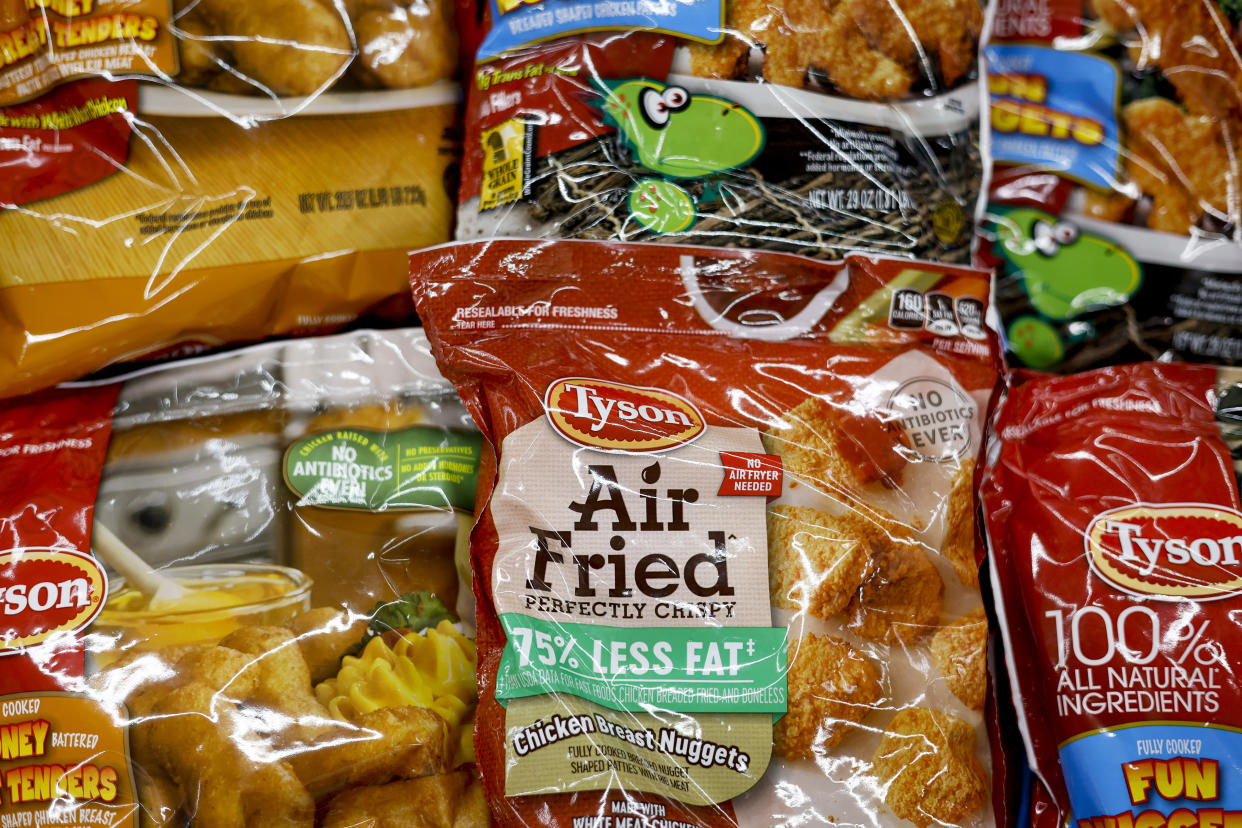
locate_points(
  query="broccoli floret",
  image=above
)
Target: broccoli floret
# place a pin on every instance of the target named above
(413, 611)
(1232, 10)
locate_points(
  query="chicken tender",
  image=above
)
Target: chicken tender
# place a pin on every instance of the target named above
(449, 800)
(403, 44)
(324, 634)
(912, 31)
(927, 765)
(833, 446)
(385, 744)
(959, 521)
(223, 788)
(901, 601)
(816, 562)
(287, 47)
(960, 653)
(832, 687)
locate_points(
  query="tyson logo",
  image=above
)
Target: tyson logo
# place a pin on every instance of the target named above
(44, 592)
(617, 417)
(1172, 551)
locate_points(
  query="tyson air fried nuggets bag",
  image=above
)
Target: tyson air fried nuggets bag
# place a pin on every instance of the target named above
(727, 570)
(1115, 538)
(182, 175)
(1115, 212)
(231, 594)
(803, 126)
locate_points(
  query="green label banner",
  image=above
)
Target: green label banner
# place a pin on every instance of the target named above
(688, 669)
(415, 468)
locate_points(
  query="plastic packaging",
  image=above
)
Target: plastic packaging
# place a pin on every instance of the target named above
(727, 569)
(233, 594)
(1116, 200)
(811, 128)
(251, 168)
(1113, 525)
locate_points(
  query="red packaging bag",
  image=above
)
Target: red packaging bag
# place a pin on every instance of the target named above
(725, 566)
(1113, 520)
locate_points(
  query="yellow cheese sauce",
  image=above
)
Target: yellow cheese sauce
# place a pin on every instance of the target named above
(218, 599)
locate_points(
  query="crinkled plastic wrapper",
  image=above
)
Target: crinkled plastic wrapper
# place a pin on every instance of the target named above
(727, 570)
(801, 127)
(182, 175)
(1114, 530)
(234, 594)
(1115, 218)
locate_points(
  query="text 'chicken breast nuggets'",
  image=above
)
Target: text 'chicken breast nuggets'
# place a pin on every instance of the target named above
(711, 553)
(832, 687)
(816, 562)
(960, 652)
(927, 765)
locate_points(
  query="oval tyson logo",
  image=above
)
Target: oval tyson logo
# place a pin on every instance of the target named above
(617, 417)
(1173, 551)
(44, 592)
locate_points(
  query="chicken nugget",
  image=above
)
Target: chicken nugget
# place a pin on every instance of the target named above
(1186, 151)
(910, 31)
(403, 44)
(324, 635)
(200, 59)
(832, 687)
(927, 765)
(816, 562)
(959, 525)
(960, 653)
(834, 446)
(288, 47)
(447, 800)
(1109, 205)
(158, 796)
(384, 744)
(900, 601)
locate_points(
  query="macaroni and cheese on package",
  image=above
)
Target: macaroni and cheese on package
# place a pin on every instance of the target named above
(1114, 531)
(801, 126)
(727, 570)
(183, 174)
(232, 594)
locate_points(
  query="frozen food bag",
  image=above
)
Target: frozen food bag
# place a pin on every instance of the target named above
(1113, 524)
(726, 571)
(1115, 203)
(802, 127)
(178, 176)
(234, 594)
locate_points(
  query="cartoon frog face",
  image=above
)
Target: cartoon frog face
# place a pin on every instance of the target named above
(1064, 270)
(678, 134)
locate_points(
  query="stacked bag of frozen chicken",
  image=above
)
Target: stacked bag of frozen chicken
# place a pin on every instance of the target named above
(674, 511)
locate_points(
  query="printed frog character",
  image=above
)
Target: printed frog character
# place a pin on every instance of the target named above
(1065, 272)
(680, 136)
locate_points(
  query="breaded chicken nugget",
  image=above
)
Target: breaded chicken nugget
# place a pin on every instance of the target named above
(403, 44)
(448, 800)
(900, 601)
(927, 764)
(912, 31)
(385, 744)
(1179, 151)
(290, 47)
(816, 562)
(960, 653)
(324, 635)
(959, 523)
(831, 445)
(832, 687)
